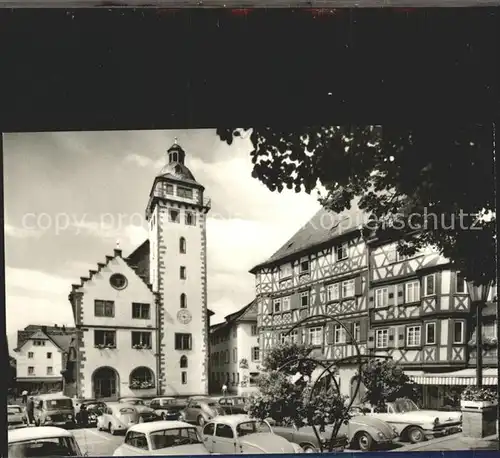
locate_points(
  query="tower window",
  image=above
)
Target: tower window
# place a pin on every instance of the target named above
(174, 157)
(182, 245)
(190, 219)
(169, 188)
(183, 301)
(173, 216)
(187, 193)
(182, 272)
(184, 378)
(184, 362)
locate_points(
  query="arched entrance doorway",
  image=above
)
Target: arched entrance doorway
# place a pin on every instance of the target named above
(361, 392)
(106, 383)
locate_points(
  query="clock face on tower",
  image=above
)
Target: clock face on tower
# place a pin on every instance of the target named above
(184, 316)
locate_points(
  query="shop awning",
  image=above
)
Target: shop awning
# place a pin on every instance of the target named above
(461, 377)
(39, 379)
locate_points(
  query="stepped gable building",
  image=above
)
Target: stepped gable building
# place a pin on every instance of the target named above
(41, 355)
(142, 321)
(322, 269)
(235, 352)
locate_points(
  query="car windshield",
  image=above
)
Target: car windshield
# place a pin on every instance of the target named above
(252, 427)
(56, 404)
(404, 405)
(127, 410)
(167, 438)
(53, 446)
(13, 410)
(236, 402)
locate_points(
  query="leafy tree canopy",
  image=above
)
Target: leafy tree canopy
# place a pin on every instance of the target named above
(285, 357)
(385, 381)
(423, 186)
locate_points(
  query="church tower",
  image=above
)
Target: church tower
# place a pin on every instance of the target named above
(176, 213)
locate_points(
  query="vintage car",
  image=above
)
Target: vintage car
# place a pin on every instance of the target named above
(146, 413)
(162, 438)
(54, 410)
(233, 404)
(167, 408)
(117, 417)
(16, 416)
(362, 432)
(200, 410)
(43, 441)
(236, 434)
(94, 409)
(416, 425)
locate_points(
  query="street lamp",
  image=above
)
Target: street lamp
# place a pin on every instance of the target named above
(478, 293)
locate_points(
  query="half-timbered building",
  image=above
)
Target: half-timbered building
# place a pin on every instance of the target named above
(322, 270)
(421, 316)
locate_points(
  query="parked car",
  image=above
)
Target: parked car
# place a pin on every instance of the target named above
(200, 410)
(78, 402)
(16, 416)
(167, 408)
(162, 438)
(117, 417)
(94, 409)
(146, 414)
(54, 410)
(233, 404)
(43, 441)
(416, 425)
(240, 434)
(362, 432)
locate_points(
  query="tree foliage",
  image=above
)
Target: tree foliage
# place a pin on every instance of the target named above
(424, 185)
(281, 354)
(385, 381)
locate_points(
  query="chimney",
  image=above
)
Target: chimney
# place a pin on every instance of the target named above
(118, 252)
(64, 328)
(55, 326)
(44, 329)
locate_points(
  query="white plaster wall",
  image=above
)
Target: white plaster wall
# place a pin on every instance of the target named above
(40, 361)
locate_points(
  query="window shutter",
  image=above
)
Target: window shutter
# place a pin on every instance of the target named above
(371, 339)
(317, 299)
(300, 336)
(400, 338)
(331, 332)
(438, 285)
(294, 301)
(363, 328)
(400, 294)
(371, 300)
(390, 293)
(392, 340)
(358, 290)
(349, 327)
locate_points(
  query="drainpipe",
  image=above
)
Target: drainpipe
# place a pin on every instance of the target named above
(158, 347)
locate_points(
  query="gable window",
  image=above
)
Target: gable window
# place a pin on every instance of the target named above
(381, 297)
(382, 338)
(182, 245)
(412, 291)
(31, 370)
(304, 267)
(174, 216)
(429, 285)
(413, 336)
(141, 311)
(316, 336)
(458, 332)
(430, 333)
(285, 304)
(255, 354)
(184, 362)
(190, 219)
(283, 338)
(277, 305)
(342, 251)
(183, 341)
(254, 330)
(30, 355)
(356, 331)
(184, 192)
(50, 370)
(169, 188)
(184, 377)
(182, 272)
(333, 292)
(304, 299)
(104, 308)
(49, 355)
(339, 335)
(183, 301)
(105, 338)
(285, 271)
(461, 285)
(141, 339)
(348, 288)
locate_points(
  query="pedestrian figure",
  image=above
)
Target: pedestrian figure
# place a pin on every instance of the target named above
(24, 395)
(30, 411)
(224, 389)
(84, 416)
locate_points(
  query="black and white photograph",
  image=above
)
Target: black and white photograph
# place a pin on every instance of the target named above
(297, 284)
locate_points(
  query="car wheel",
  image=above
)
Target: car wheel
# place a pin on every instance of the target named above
(415, 435)
(111, 430)
(308, 448)
(364, 442)
(201, 420)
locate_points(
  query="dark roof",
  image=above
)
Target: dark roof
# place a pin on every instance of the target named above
(57, 334)
(140, 251)
(210, 313)
(177, 171)
(323, 227)
(231, 318)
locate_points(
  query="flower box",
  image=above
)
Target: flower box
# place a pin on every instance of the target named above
(477, 405)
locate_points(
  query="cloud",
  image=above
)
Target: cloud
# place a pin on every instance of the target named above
(20, 232)
(144, 161)
(112, 229)
(35, 281)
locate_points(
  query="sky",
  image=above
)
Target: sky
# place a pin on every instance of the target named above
(70, 196)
